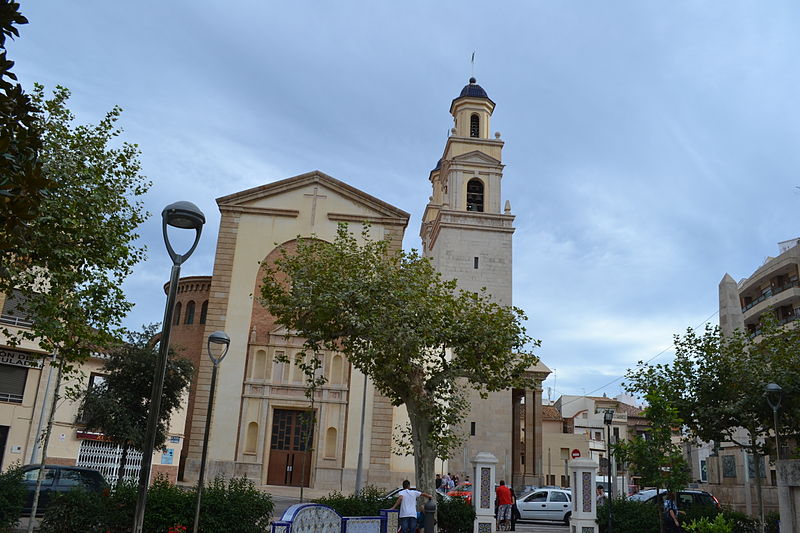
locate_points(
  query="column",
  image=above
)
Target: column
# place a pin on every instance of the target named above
(517, 468)
(584, 504)
(483, 491)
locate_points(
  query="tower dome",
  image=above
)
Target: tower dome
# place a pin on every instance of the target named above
(473, 90)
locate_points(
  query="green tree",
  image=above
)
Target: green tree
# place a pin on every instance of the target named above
(67, 269)
(22, 183)
(80, 246)
(716, 385)
(654, 457)
(118, 406)
(420, 340)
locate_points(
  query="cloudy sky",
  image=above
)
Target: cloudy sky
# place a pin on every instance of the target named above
(650, 146)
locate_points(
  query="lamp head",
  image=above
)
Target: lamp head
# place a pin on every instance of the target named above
(183, 215)
(608, 417)
(221, 338)
(774, 393)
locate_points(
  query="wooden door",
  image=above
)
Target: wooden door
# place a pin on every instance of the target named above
(290, 448)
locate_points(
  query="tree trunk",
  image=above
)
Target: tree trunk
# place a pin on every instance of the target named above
(759, 495)
(123, 462)
(424, 455)
(45, 444)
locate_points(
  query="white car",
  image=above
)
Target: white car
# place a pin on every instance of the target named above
(546, 504)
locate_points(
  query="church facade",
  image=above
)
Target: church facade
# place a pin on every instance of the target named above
(258, 424)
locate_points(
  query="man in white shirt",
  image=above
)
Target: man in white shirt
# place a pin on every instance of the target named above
(407, 501)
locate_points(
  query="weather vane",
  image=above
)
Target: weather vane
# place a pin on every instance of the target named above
(472, 65)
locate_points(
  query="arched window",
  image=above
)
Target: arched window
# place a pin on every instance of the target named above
(474, 126)
(203, 312)
(177, 319)
(475, 195)
(189, 312)
(251, 439)
(330, 443)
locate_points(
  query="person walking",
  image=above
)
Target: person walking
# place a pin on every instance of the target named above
(407, 502)
(601, 496)
(504, 503)
(671, 522)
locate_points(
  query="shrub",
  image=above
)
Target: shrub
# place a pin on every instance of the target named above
(234, 505)
(367, 503)
(76, 511)
(694, 513)
(454, 515)
(12, 497)
(630, 517)
(719, 524)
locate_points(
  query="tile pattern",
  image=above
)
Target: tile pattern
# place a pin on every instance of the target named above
(486, 474)
(586, 492)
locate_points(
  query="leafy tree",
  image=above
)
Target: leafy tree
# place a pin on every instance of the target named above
(716, 385)
(654, 457)
(68, 263)
(118, 407)
(22, 183)
(80, 247)
(419, 339)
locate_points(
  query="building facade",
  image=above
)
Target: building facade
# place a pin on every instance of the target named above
(27, 386)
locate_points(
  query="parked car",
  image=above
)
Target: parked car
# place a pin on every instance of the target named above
(394, 493)
(546, 504)
(686, 498)
(464, 490)
(55, 479)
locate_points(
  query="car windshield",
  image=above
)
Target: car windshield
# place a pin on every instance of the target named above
(464, 488)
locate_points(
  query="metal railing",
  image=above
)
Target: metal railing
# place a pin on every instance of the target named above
(15, 321)
(10, 398)
(769, 293)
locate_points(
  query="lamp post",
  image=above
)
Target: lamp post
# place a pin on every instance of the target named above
(774, 393)
(181, 215)
(608, 417)
(221, 338)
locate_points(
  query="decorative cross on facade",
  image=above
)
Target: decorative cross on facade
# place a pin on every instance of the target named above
(314, 203)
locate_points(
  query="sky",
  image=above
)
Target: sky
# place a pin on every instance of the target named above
(651, 147)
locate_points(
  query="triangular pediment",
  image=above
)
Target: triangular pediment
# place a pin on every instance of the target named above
(476, 157)
(325, 185)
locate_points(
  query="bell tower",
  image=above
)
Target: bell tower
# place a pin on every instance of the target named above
(464, 231)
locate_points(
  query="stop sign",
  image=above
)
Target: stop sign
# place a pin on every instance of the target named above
(576, 453)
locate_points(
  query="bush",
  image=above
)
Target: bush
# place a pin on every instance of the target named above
(630, 517)
(454, 515)
(234, 506)
(719, 524)
(367, 503)
(695, 513)
(76, 511)
(12, 497)
(236, 501)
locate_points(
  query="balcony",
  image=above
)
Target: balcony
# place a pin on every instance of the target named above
(769, 293)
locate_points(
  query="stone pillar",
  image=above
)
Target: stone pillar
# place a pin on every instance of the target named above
(584, 505)
(789, 494)
(731, 317)
(533, 436)
(483, 492)
(517, 468)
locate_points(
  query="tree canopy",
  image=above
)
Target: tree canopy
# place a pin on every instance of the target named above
(654, 457)
(118, 406)
(419, 339)
(23, 186)
(68, 270)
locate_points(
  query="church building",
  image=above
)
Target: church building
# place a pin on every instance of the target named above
(257, 423)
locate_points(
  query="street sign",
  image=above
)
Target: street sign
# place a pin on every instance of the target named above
(576, 453)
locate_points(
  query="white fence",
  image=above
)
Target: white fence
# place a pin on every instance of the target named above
(105, 457)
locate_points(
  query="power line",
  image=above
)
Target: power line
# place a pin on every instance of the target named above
(645, 362)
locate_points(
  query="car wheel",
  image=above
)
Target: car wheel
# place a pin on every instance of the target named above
(567, 517)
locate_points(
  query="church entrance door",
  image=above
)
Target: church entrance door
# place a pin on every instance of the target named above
(289, 454)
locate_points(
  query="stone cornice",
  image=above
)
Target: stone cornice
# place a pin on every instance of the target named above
(271, 211)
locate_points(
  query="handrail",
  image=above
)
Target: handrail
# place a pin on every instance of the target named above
(769, 293)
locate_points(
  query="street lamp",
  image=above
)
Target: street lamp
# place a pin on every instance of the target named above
(181, 215)
(608, 417)
(221, 338)
(774, 393)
